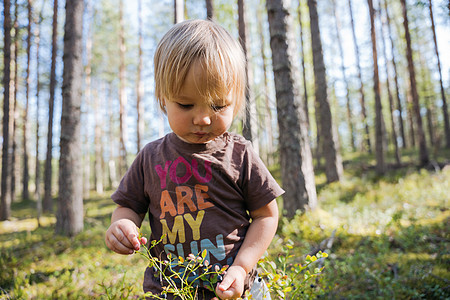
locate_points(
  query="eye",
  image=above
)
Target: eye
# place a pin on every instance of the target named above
(218, 107)
(185, 106)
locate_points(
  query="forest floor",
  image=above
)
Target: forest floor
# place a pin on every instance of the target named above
(387, 236)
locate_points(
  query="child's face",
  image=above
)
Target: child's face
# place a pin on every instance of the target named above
(191, 117)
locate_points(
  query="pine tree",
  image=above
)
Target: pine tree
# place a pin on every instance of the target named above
(441, 85)
(380, 146)
(328, 136)
(69, 218)
(209, 10)
(362, 99)
(390, 98)
(5, 208)
(249, 128)
(351, 128)
(423, 152)
(48, 202)
(295, 153)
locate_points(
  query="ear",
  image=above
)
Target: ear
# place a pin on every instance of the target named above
(162, 105)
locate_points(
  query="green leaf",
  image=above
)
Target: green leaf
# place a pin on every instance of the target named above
(204, 253)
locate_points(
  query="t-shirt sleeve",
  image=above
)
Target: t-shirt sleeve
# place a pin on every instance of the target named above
(131, 191)
(259, 186)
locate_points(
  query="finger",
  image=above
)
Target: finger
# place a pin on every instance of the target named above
(143, 240)
(226, 283)
(129, 237)
(134, 240)
(225, 290)
(121, 237)
(115, 245)
(228, 294)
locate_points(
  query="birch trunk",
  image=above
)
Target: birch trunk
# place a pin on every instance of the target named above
(302, 53)
(178, 6)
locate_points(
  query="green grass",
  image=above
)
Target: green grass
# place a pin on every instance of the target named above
(392, 242)
(392, 235)
(36, 264)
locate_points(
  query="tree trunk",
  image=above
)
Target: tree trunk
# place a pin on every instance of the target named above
(38, 167)
(423, 152)
(26, 175)
(397, 89)
(122, 96)
(390, 98)
(302, 49)
(297, 171)
(367, 144)
(98, 133)
(209, 10)
(70, 203)
(430, 122)
(380, 146)
(178, 6)
(88, 105)
(444, 100)
(139, 87)
(333, 161)
(428, 91)
(351, 127)
(5, 208)
(409, 108)
(268, 114)
(249, 126)
(14, 84)
(113, 182)
(48, 202)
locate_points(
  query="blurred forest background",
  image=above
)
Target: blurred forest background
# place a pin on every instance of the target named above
(347, 105)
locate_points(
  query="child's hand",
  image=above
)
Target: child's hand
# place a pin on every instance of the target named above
(123, 237)
(232, 285)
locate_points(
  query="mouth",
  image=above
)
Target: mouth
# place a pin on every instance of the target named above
(200, 133)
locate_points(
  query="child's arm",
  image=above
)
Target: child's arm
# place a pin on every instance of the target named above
(259, 235)
(123, 235)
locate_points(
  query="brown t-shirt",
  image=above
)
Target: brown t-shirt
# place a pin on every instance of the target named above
(197, 195)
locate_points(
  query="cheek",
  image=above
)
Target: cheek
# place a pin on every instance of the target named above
(173, 117)
(177, 121)
(226, 120)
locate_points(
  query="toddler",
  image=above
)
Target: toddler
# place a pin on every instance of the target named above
(203, 187)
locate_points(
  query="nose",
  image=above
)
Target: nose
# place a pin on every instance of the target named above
(202, 117)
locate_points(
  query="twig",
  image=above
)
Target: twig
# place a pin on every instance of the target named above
(325, 245)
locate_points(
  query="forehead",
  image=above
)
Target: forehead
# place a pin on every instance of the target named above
(201, 81)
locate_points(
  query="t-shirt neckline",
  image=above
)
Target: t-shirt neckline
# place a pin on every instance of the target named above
(214, 144)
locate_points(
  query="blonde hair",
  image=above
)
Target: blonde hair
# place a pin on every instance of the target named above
(219, 54)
